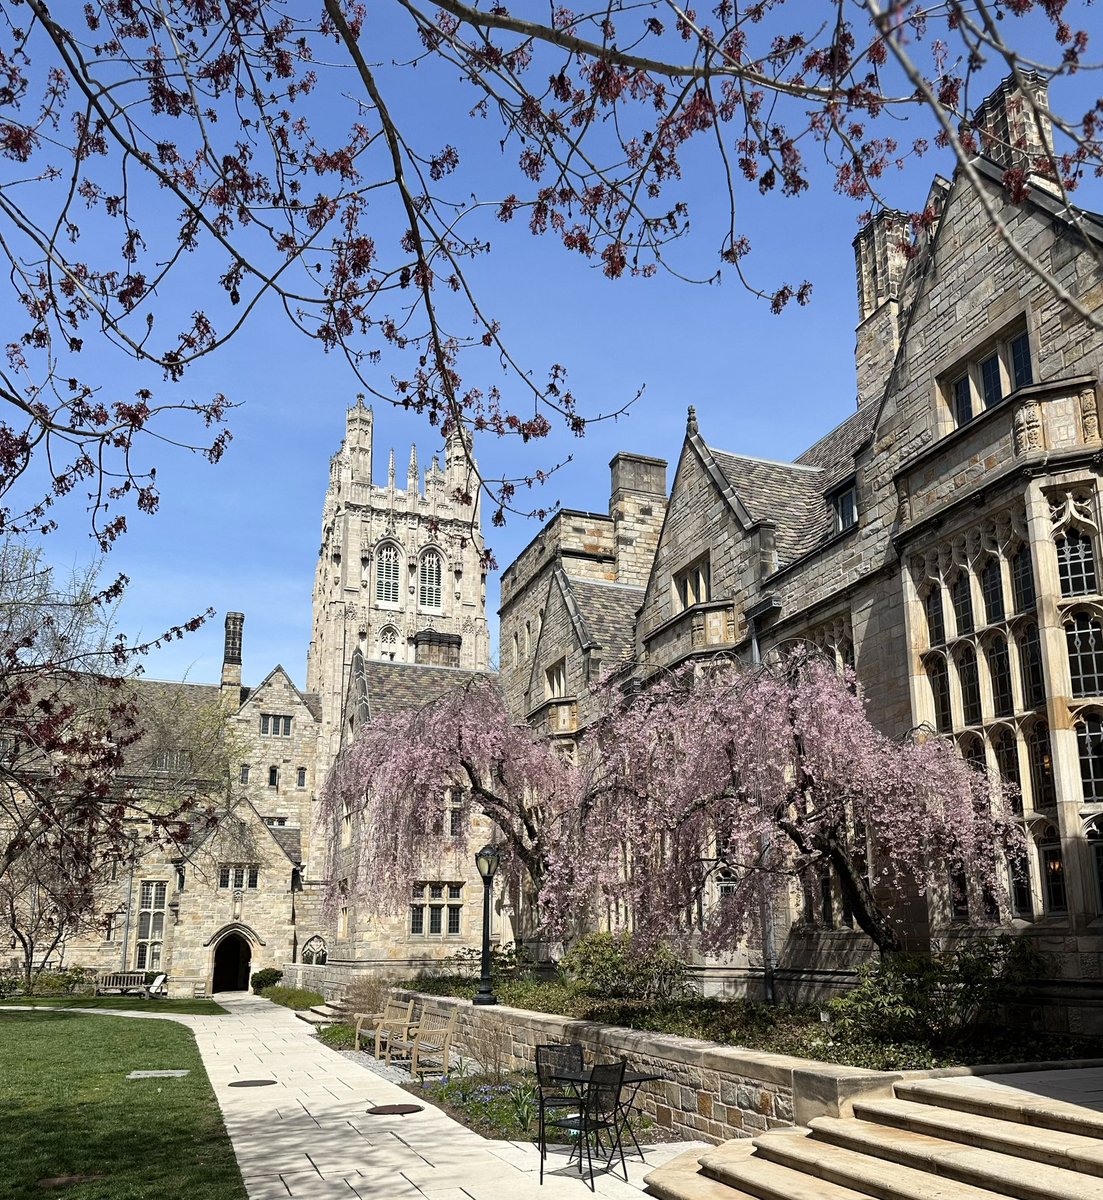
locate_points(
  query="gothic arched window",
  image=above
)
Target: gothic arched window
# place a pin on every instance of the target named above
(966, 661)
(936, 624)
(1076, 562)
(991, 590)
(429, 580)
(962, 601)
(1089, 738)
(1030, 664)
(972, 750)
(314, 952)
(1084, 634)
(386, 574)
(999, 672)
(1041, 766)
(939, 679)
(1022, 579)
(1007, 763)
(1053, 870)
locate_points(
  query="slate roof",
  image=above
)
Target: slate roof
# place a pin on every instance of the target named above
(397, 687)
(793, 496)
(608, 614)
(289, 841)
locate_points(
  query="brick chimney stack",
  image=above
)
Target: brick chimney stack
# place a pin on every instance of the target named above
(231, 659)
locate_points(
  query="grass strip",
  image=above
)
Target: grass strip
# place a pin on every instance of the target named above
(74, 1126)
(197, 1008)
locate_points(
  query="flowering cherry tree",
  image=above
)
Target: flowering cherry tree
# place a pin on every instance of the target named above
(176, 167)
(763, 774)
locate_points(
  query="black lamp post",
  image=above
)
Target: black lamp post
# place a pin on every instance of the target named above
(487, 861)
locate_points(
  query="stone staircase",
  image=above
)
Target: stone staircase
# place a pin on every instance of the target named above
(961, 1138)
(322, 1015)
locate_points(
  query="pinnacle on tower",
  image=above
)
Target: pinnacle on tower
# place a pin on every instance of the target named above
(390, 470)
(412, 471)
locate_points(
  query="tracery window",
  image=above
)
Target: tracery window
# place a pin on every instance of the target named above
(1042, 787)
(1022, 579)
(1022, 899)
(388, 642)
(315, 953)
(972, 750)
(1089, 738)
(1084, 633)
(1052, 864)
(939, 679)
(1076, 562)
(968, 678)
(936, 623)
(991, 588)
(429, 580)
(999, 673)
(1007, 763)
(962, 602)
(386, 574)
(1030, 665)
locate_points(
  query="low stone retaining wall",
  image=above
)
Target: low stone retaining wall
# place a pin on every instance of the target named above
(708, 1091)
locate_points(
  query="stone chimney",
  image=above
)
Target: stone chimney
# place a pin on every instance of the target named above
(637, 505)
(231, 660)
(880, 262)
(1011, 129)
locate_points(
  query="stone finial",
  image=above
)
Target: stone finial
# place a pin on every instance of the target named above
(691, 422)
(390, 470)
(412, 471)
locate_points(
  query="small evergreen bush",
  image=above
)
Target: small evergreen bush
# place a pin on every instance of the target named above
(612, 965)
(266, 978)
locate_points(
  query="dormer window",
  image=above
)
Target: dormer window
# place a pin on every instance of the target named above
(844, 506)
(693, 585)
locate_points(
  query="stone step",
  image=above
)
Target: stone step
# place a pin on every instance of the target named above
(1000, 1173)
(868, 1177)
(1056, 1147)
(334, 1012)
(989, 1097)
(741, 1171)
(683, 1179)
(316, 1019)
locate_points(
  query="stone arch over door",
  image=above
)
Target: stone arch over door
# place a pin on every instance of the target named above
(233, 957)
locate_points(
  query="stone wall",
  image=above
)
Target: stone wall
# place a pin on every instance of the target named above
(707, 1091)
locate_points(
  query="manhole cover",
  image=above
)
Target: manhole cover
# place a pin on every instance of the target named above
(394, 1110)
(254, 1083)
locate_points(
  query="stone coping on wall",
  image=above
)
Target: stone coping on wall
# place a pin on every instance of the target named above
(708, 1090)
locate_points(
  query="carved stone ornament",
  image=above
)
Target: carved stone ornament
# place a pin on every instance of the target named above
(1066, 508)
(1027, 428)
(1089, 414)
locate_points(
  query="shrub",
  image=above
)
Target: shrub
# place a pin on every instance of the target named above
(507, 961)
(611, 965)
(266, 978)
(291, 997)
(367, 993)
(10, 983)
(338, 1037)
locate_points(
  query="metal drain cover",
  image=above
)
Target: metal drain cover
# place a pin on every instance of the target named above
(253, 1083)
(394, 1110)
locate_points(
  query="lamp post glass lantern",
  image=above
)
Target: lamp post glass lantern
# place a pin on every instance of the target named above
(487, 861)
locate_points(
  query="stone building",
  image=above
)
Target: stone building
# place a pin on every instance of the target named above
(399, 617)
(944, 539)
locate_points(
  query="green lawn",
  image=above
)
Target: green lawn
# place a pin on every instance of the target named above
(67, 1109)
(197, 1008)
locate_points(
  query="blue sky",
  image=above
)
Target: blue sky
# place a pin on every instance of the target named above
(244, 535)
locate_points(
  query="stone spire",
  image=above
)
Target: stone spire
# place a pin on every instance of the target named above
(411, 473)
(390, 470)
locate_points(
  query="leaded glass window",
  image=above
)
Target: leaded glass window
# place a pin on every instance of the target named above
(1089, 737)
(386, 574)
(1053, 871)
(1022, 579)
(972, 750)
(999, 672)
(1022, 901)
(990, 384)
(1007, 763)
(1076, 562)
(1030, 664)
(1021, 371)
(936, 624)
(940, 692)
(991, 588)
(151, 925)
(962, 602)
(1041, 766)
(969, 680)
(429, 580)
(962, 400)
(1085, 643)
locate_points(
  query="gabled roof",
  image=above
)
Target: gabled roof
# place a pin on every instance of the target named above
(378, 688)
(288, 840)
(310, 702)
(607, 614)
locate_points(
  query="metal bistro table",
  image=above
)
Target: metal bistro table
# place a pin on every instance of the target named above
(633, 1081)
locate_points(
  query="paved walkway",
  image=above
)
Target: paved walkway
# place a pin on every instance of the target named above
(308, 1135)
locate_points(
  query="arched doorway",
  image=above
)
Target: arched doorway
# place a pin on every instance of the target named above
(231, 964)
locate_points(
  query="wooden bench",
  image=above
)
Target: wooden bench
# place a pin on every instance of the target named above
(430, 1043)
(395, 1020)
(123, 982)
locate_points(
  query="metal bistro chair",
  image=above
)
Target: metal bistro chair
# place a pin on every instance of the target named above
(600, 1115)
(553, 1092)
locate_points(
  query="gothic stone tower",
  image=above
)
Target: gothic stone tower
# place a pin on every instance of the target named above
(400, 575)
